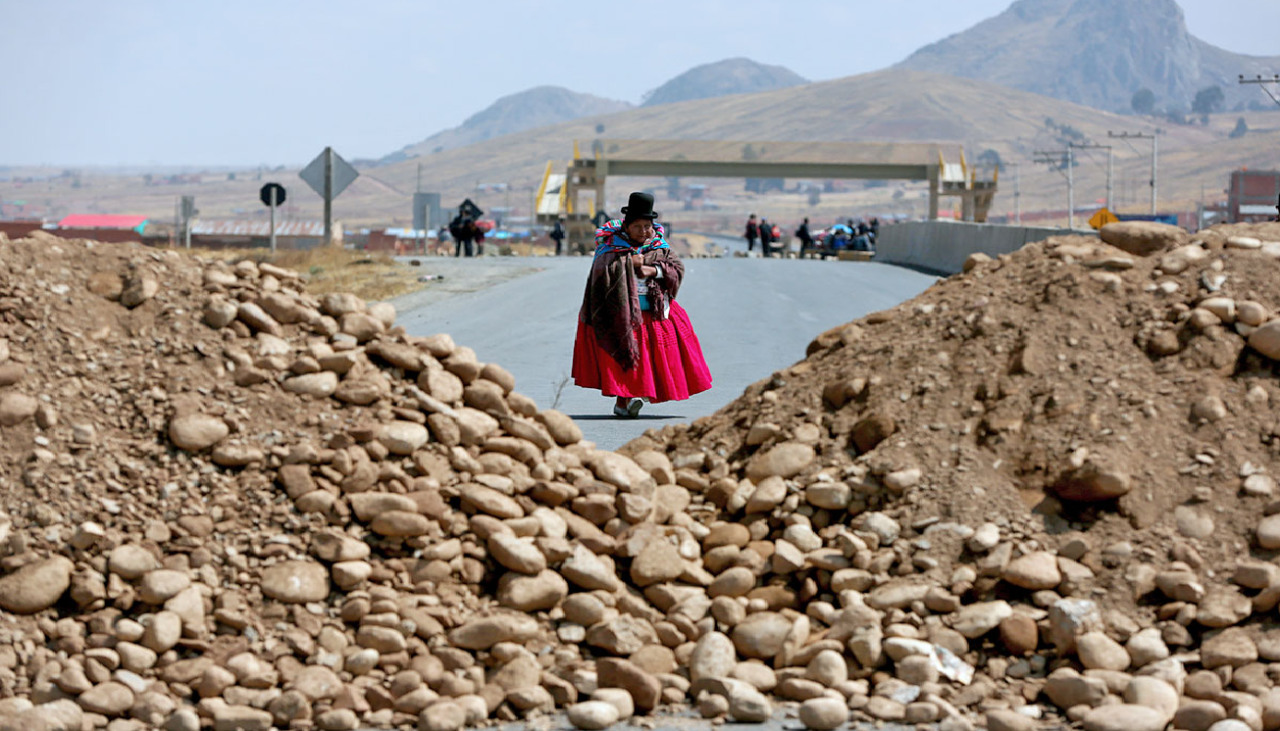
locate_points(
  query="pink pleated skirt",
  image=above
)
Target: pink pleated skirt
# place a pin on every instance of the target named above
(670, 366)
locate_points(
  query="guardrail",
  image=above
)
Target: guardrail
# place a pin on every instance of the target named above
(942, 246)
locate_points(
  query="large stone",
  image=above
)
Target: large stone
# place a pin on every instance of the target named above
(586, 570)
(36, 586)
(1034, 571)
(975, 620)
(131, 561)
(1153, 693)
(257, 318)
(761, 635)
(561, 427)
(1231, 647)
(1269, 532)
(785, 460)
(1003, 719)
(319, 385)
(485, 632)
(645, 689)
(161, 585)
(1142, 238)
(517, 554)
(195, 432)
(658, 562)
(1093, 482)
(296, 582)
(593, 715)
(317, 683)
(109, 699)
(1067, 689)
(622, 635)
(619, 470)
(532, 593)
(1070, 618)
(823, 713)
(714, 656)
(1124, 717)
(1098, 651)
(16, 408)
(749, 706)
(1266, 340)
(403, 437)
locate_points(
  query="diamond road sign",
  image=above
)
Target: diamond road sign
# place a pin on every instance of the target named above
(343, 173)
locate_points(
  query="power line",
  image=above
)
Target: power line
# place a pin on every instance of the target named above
(1155, 156)
(1109, 166)
(1056, 160)
(1263, 82)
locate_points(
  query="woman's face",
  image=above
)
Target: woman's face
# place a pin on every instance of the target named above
(640, 230)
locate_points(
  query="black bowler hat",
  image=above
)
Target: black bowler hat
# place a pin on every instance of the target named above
(639, 205)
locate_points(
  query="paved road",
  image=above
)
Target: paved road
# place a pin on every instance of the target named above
(752, 316)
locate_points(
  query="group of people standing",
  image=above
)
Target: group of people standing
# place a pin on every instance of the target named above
(467, 236)
(859, 236)
(764, 232)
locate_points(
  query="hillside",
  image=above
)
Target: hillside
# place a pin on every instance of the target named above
(1094, 52)
(893, 105)
(731, 76)
(536, 107)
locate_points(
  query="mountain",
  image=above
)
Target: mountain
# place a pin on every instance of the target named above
(536, 107)
(731, 76)
(886, 106)
(1095, 52)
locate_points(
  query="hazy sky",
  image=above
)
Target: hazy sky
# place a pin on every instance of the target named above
(239, 82)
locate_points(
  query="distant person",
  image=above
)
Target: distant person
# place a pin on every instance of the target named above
(806, 238)
(634, 341)
(766, 237)
(442, 236)
(752, 233)
(477, 235)
(557, 235)
(458, 229)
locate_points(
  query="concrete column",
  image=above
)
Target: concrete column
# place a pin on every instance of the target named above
(933, 192)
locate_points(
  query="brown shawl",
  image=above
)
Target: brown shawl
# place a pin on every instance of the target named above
(611, 305)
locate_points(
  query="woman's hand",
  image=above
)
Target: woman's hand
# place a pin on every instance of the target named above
(647, 271)
(637, 261)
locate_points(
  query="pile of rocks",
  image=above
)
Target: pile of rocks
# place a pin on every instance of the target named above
(1036, 489)
(233, 504)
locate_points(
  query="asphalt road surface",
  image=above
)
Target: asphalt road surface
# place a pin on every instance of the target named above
(752, 317)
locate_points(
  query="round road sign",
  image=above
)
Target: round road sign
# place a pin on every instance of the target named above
(266, 192)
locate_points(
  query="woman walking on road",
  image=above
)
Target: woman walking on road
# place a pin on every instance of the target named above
(634, 341)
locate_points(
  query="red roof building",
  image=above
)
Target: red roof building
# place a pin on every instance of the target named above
(90, 220)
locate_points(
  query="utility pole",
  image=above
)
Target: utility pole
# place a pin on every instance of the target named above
(1109, 166)
(1055, 159)
(328, 196)
(1155, 158)
(1263, 82)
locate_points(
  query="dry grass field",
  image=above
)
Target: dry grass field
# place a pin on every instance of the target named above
(372, 277)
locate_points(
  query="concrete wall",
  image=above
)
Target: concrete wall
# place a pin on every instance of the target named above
(942, 246)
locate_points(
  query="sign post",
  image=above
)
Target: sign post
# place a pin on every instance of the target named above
(328, 175)
(272, 195)
(188, 212)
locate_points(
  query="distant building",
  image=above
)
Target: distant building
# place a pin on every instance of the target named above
(1252, 195)
(255, 234)
(101, 227)
(19, 229)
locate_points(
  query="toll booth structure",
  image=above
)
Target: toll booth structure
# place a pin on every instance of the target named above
(560, 194)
